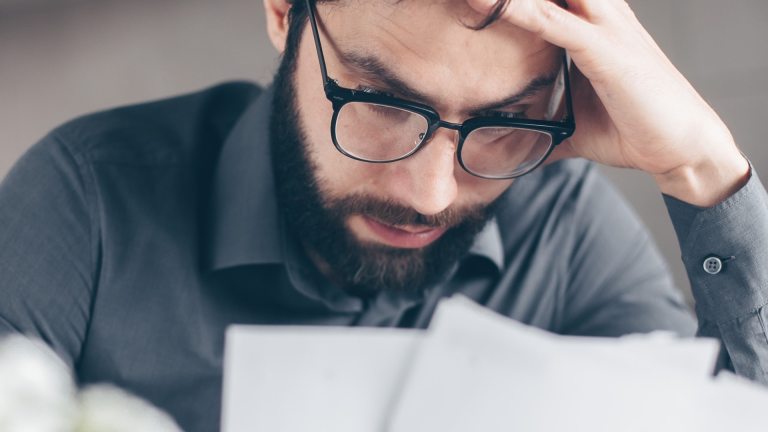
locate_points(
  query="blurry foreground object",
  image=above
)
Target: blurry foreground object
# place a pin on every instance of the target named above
(38, 394)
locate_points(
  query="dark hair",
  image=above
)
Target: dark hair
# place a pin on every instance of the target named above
(297, 17)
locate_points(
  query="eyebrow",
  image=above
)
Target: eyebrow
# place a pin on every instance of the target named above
(378, 71)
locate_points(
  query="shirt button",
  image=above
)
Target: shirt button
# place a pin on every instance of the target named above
(713, 265)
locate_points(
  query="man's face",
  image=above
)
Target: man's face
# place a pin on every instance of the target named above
(401, 216)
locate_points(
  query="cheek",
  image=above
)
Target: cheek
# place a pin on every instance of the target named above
(341, 175)
(475, 190)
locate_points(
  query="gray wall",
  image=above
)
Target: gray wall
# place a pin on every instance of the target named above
(61, 58)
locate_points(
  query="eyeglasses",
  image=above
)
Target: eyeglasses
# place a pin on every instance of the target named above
(378, 128)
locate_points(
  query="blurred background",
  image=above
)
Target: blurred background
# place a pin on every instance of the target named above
(63, 58)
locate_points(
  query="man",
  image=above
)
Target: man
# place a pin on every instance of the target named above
(398, 167)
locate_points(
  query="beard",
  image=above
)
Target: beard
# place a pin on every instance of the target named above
(319, 219)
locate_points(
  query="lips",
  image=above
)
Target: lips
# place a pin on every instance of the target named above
(406, 237)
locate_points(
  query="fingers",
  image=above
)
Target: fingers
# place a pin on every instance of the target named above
(545, 18)
(590, 10)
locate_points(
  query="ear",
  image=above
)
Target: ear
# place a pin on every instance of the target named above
(276, 12)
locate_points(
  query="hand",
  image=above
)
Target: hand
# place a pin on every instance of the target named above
(633, 108)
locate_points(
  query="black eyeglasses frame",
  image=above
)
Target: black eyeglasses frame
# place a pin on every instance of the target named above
(339, 96)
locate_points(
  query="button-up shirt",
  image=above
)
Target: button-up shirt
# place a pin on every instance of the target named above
(130, 239)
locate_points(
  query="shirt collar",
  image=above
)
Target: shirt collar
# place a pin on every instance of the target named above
(245, 223)
(488, 244)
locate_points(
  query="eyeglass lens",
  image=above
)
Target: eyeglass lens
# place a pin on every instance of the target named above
(379, 133)
(504, 151)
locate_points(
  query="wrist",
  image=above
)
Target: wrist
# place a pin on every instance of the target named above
(709, 181)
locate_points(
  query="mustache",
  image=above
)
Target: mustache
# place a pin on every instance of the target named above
(393, 213)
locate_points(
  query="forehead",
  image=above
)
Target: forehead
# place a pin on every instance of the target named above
(429, 43)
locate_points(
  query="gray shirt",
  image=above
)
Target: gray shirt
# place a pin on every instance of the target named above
(132, 238)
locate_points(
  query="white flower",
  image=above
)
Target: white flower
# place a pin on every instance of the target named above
(36, 388)
(38, 394)
(109, 409)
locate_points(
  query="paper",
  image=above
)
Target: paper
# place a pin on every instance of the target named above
(474, 370)
(312, 378)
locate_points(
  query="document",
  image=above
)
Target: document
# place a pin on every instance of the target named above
(475, 370)
(317, 379)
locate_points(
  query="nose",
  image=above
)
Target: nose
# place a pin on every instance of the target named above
(426, 181)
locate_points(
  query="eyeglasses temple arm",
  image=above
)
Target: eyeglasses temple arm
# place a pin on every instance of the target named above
(568, 99)
(318, 45)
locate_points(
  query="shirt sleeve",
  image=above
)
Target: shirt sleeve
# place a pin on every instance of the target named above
(725, 253)
(47, 253)
(618, 282)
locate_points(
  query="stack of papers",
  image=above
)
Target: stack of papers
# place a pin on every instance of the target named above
(476, 370)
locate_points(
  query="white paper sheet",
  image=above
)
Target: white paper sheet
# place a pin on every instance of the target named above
(476, 370)
(312, 378)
